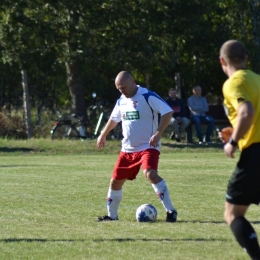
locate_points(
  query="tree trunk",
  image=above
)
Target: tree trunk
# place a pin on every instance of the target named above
(39, 112)
(255, 10)
(26, 104)
(74, 82)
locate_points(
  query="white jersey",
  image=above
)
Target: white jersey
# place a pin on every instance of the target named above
(140, 117)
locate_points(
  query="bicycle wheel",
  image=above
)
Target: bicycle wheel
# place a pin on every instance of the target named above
(65, 131)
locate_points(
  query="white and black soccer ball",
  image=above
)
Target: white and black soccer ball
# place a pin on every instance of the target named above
(146, 213)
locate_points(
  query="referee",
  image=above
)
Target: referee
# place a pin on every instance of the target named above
(242, 102)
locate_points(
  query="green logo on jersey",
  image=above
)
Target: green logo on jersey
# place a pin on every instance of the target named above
(133, 115)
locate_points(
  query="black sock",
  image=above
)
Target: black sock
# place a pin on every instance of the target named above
(246, 236)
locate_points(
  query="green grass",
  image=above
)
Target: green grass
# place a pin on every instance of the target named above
(52, 192)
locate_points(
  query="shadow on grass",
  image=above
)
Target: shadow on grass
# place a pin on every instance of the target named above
(200, 222)
(40, 240)
(199, 239)
(207, 222)
(13, 150)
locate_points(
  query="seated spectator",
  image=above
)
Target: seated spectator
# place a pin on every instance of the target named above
(178, 121)
(198, 106)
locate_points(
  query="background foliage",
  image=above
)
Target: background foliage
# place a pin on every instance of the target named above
(74, 48)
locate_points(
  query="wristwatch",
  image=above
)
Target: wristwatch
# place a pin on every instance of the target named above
(232, 142)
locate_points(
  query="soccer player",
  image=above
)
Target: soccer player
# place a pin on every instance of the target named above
(241, 100)
(138, 109)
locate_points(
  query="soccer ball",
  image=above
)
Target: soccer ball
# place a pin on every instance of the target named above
(146, 213)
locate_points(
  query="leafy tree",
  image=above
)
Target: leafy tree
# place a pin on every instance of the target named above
(84, 44)
(255, 11)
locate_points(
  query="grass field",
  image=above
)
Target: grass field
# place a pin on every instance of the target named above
(52, 192)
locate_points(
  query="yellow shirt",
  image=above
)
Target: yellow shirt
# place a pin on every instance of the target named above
(243, 85)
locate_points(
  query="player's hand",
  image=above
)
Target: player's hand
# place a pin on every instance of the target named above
(101, 142)
(229, 150)
(225, 133)
(154, 140)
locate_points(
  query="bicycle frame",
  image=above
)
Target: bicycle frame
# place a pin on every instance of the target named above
(98, 123)
(76, 127)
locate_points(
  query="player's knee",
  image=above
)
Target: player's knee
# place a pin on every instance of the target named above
(228, 217)
(152, 175)
(116, 184)
(146, 173)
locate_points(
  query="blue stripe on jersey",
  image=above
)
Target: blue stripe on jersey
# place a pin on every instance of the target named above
(118, 101)
(151, 93)
(146, 96)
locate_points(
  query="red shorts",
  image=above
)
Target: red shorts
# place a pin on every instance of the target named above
(128, 164)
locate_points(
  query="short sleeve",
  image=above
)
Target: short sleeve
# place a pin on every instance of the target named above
(159, 105)
(234, 92)
(116, 114)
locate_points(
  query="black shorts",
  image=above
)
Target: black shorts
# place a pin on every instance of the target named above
(244, 184)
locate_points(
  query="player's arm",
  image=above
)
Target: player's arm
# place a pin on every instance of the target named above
(164, 122)
(101, 141)
(245, 114)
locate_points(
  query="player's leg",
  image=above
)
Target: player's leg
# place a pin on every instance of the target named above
(196, 120)
(242, 229)
(124, 169)
(150, 160)
(114, 197)
(243, 190)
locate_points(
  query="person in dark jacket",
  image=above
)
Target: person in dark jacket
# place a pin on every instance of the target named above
(178, 121)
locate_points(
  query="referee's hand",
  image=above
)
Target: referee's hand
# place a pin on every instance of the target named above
(229, 150)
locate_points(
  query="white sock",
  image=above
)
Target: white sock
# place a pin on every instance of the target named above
(113, 199)
(163, 194)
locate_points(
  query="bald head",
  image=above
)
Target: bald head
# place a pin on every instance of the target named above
(234, 53)
(124, 76)
(125, 83)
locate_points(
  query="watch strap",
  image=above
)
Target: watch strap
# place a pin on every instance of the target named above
(232, 142)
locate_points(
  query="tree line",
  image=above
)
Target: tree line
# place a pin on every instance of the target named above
(72, 49)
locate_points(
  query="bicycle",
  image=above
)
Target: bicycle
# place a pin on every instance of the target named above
(116, 133)
(69, 127)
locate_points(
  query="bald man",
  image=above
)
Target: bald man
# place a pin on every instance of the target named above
(241, 100)
(138, 109)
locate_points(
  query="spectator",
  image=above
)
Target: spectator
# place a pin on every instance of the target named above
(178, 121)
(198, 106)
